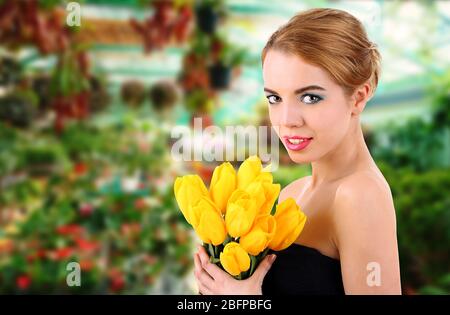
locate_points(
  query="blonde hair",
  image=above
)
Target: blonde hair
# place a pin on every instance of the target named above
(334, 40)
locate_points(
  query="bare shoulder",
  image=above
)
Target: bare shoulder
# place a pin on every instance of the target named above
(363, 186)
(364, 199)
(365, 232)
(293, 189)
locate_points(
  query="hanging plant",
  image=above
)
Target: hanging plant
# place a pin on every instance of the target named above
(41, 86)
(99, 97)
(197, 101)
(208, 14)
(169, 21)
(220, 76)
(10, 71)
(133, 93)
(231, 55)
(163, 95)
(70, 86)
(225, 57)
(39, 23)
(18, 108)
(195, 73)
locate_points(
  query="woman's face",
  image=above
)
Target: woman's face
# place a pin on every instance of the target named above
(309, 112)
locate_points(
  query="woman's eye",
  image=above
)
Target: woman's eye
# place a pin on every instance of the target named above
(311, 99)
(273, 99)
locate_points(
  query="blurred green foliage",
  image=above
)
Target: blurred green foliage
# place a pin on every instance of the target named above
(97, 195)
(415, 159)
(422, 203)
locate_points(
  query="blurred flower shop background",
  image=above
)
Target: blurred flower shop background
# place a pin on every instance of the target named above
(87, 107)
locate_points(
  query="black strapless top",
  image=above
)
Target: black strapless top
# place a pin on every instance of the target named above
(299, 269)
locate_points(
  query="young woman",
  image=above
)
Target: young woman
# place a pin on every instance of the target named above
(320, 70)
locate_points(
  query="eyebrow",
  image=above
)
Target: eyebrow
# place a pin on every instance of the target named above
(300, 90)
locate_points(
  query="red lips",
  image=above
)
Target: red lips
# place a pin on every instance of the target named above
(296, 143)
(296, 137)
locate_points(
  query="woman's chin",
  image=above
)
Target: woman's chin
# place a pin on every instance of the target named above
(299, 157)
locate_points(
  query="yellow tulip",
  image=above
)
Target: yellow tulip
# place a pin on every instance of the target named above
(265, 195)
(196, 211)
(262, 232)
(248, 171)
(240, 214)
(234, 259)
(209, 223)
(271, 192)
(256, 191)
(265, 177)
(223, 183)
(290, 221)
(189, 190)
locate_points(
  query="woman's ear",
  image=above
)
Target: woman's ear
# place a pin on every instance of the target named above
(360, 98)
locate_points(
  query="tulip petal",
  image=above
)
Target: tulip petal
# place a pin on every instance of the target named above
(188, 190)
(248, 171)
(290, 221)
(223, 183)
(234, 259)
(211, 226)
(240, 214)
(271, 191)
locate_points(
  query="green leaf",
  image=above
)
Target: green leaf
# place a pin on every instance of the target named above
(253, 264)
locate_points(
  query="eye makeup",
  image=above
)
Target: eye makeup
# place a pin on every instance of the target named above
(307, 98)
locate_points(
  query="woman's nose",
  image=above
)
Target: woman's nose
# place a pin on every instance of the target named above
(291, 116)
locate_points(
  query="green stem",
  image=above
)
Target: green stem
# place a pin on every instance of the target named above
(253, 264)
(263, 253)
(211, 251)
(227, 240)
(208, 250)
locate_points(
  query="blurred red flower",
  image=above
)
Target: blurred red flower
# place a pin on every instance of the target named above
(70, 229)
(86, 209)
(61, 253)
(117, 280)
(130, 229)
(140, 204)
(80, 168)
(86, 265)
(86, 245)
(39, 254)
(23, 282)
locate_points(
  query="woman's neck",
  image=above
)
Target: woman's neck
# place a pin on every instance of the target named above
(351, 153)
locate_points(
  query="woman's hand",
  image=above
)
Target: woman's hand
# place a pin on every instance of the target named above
(213, 280)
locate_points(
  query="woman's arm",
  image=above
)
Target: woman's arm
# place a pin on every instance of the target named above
(365, 234)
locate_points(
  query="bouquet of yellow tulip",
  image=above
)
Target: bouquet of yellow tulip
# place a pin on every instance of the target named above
(236, 218)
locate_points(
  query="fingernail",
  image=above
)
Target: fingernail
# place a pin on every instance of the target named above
(272, 259)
